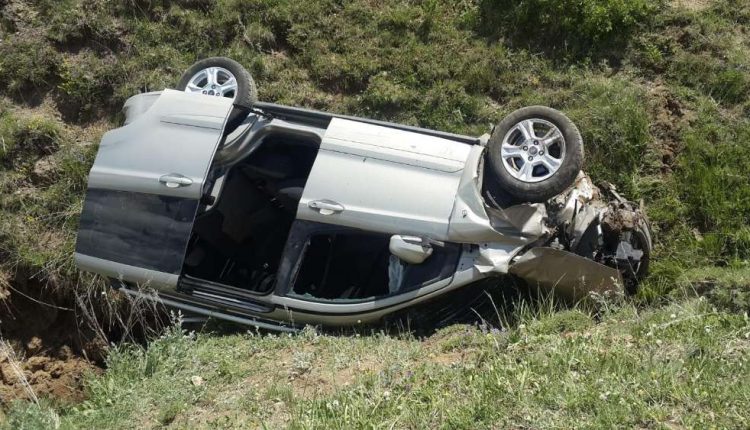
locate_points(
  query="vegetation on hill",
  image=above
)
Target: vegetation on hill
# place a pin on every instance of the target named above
(681, 366)
(660, 91)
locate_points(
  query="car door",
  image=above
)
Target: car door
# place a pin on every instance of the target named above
(145, 187)
(383, 179)
(368, 184)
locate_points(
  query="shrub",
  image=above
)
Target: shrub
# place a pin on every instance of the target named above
(26, 138)
(577, 26)
(27, 64)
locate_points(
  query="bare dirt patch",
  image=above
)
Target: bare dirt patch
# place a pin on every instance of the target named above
(57, 374)
(321, 379)
(45, 350)
(670, 118)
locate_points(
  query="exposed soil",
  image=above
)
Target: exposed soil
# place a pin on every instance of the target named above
(51, 337)
(670, 118)
(46, 348)
(315, 379)
(57, 374)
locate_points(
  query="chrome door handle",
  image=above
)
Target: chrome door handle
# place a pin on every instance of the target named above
(174, 180)
(325, 207)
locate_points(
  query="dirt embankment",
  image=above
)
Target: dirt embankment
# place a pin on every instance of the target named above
(56, 373)
(50, 338)
(46, 345)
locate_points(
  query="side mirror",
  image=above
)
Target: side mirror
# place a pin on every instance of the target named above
(411, 249)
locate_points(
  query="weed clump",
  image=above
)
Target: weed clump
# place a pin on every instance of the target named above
(27, 64)
(26, 138)
(570, 26)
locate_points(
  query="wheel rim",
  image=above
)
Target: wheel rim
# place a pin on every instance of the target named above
(533, 150)
(213, 81)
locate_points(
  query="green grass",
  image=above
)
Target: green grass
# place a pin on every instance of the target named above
(682, 365)
(568, 27)
(660, 93)
(44, 166)
(24, 137)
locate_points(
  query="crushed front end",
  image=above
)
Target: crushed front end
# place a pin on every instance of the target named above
(596, 241)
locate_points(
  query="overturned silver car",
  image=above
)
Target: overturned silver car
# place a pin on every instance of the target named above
(278, 217)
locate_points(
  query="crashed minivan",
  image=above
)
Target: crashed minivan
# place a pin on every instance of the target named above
(277, 216)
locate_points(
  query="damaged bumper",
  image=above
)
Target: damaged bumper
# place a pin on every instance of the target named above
(566, 274)
(586, 240)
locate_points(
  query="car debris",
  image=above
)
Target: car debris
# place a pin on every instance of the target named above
(278, 217)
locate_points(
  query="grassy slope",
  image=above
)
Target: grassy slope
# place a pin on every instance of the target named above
(679, 366)
(660, 94)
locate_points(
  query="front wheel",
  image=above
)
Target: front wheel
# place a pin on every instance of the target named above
(535, 153)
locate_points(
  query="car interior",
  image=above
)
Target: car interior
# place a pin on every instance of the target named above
(355, 266)
(238, 241)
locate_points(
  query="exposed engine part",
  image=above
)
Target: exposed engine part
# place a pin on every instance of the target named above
(612, 232)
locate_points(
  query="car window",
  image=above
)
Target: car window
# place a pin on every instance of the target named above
(355, 266)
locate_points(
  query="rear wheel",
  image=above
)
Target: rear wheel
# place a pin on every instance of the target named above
(535, 153)
(220, 77)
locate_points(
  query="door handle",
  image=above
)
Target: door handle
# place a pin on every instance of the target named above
(325, 207)
(174, 180)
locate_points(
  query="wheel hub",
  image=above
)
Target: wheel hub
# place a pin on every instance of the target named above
(533, 150)
(213, 81)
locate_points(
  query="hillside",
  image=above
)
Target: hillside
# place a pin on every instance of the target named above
(660, 91)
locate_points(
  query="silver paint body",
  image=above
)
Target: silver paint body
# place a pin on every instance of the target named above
(378, 178)
(176, 130)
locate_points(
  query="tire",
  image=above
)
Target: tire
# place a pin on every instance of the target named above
(553, 167)
(642, 239)
(245, 93)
